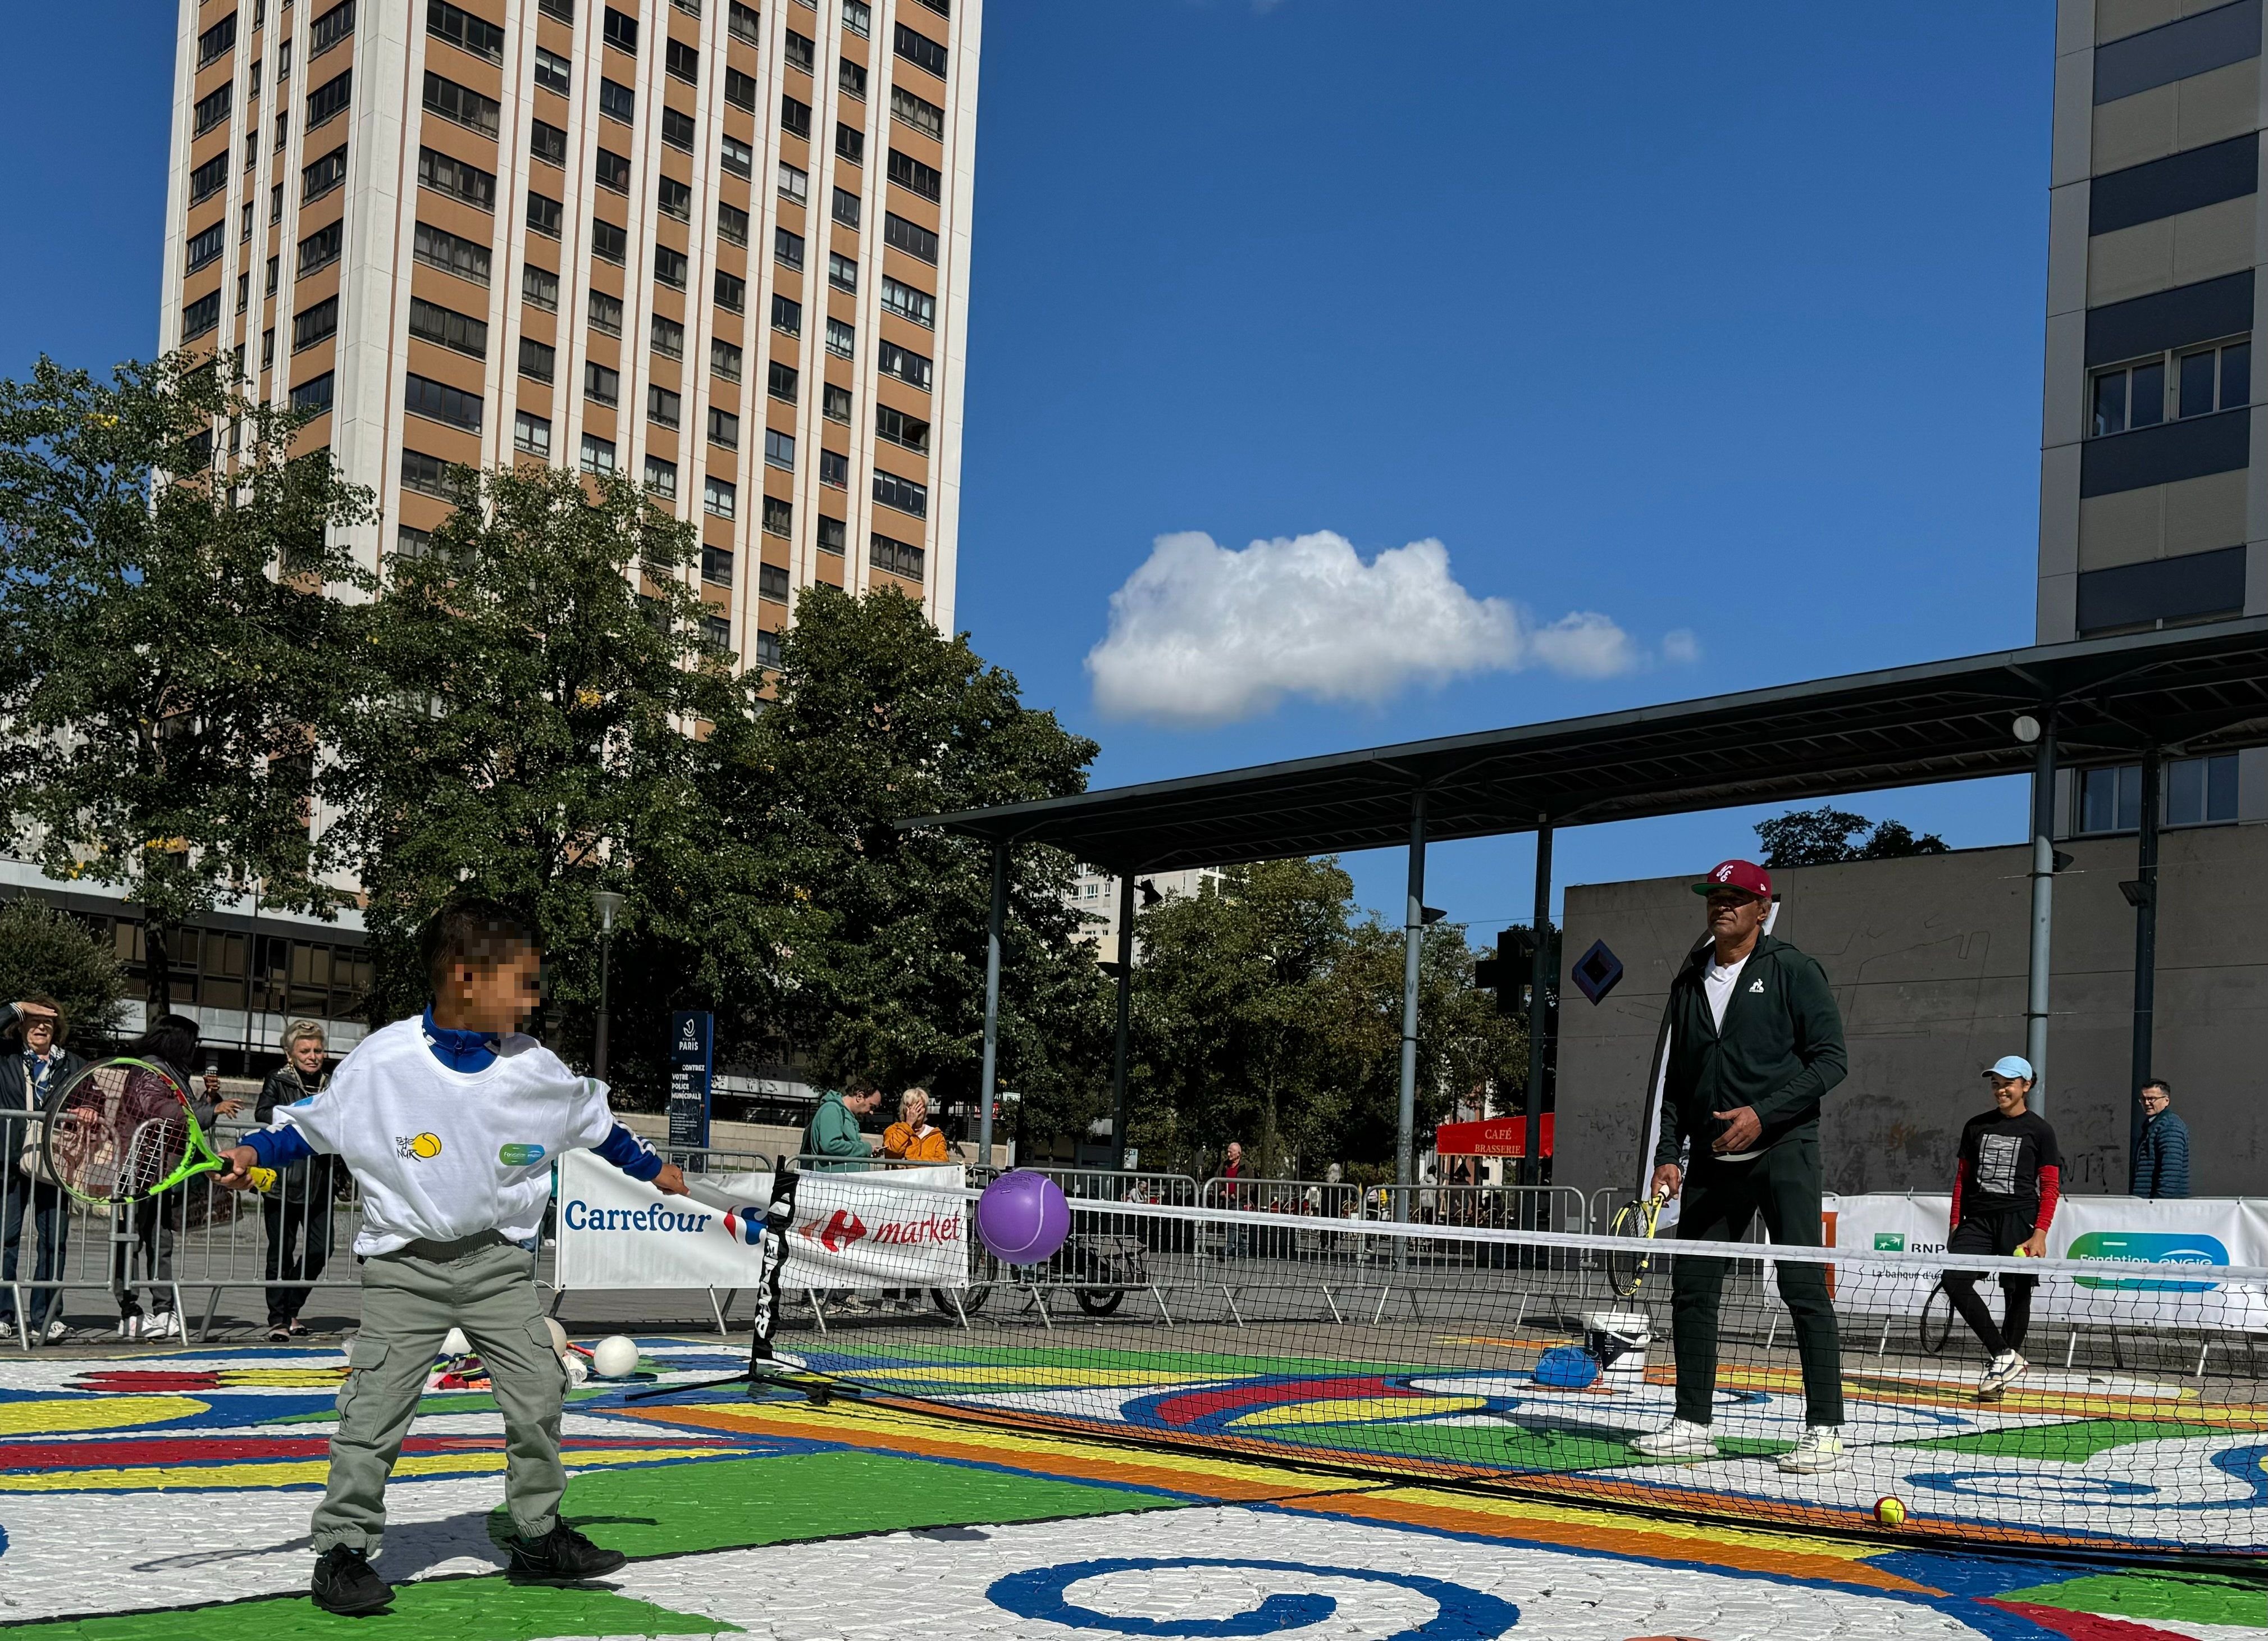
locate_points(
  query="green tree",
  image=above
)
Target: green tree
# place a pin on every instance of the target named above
(1825, 835)
(540, 682)
(167, 659)
(45, 950)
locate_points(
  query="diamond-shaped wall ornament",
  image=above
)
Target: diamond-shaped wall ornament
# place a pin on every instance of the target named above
(1597, 972)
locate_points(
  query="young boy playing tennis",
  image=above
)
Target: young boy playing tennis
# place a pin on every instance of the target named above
(452, 1123)
(2006, 1177)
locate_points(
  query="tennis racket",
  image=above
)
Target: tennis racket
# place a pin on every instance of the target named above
(122, 1130)
(1626, 1271)
(1936, 1319)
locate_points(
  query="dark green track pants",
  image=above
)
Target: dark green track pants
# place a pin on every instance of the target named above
(1719, 1202)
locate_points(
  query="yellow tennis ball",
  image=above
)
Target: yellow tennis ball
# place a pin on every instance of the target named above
(426, 1146)
(1890, 1511)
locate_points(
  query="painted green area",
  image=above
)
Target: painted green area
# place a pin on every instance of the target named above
(2198, 1598)
(734, 1504)
(474, 1610)
(2072, 1443)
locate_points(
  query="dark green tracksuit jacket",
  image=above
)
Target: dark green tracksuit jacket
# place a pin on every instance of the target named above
(1781, 1050)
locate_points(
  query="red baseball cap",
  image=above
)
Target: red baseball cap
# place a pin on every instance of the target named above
(1736, 875)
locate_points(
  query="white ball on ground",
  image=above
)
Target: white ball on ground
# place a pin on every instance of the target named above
(616, 1357)
(558, 1334)
(455, 1343)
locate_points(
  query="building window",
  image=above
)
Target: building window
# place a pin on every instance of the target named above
(547, 143)
(669, 267)
(661, 477)
(429, 475)
(741, 90)
(787, 315)
(771, 583)
(437, 402)
(210, 111)
(905, 495)
(852, 77)
(451, 102)
(668, 337)
(275, 196)
(909, 237)
(621, 31)
(553, 73)
(272, 276)
(539, 361)
(909, 303)
(918, 49)
(244, 234)
(677, 130)
(724, 359)
(460, 332)
(216, 41)
(206, 248)
(900, 429)
(849, 144)
(267, 347)
(718, 630)
(898, 558)
(732, 291)
(330, 28)
(717, 565)
(842, 272)
(682, 60)
(832, 534)
(673, 198)
(464, 30)
(925, 117)
(795, 117)
(780, 448)
(663, 406)
(745, 22)
(794, 183)
(329, 100)
(2198, 791)
(842, 338)
(598, 455)
(732, 224)
(856, 19)
(834, 403)
(784, 381)
(210, 178)
(787, 248)
(719, 499)
(321, 249)
(724, 428)
(315, 180)
(602, 384)
(614, 171)
(2202, 380)
(467, 258)
(904, 364)
(738, 157)
(610, 241)
(846, 207)
(563, 9)
(835, 468)
(768, 650)
(312, 324)
(802, 52)
(779, 516)
(909, 172)
(456, 179)
(543, 214)
(539, 287)
(617, 101)
(532, 434)
(412, 543)
(202, 315)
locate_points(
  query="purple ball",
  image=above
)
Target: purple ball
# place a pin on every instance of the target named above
(1023, 1218)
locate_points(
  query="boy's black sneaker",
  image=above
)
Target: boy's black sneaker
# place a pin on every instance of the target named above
(562, 1554)
(345, 1582)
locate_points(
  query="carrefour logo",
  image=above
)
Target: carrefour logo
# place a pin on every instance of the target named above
(580, 1216)
(2149, 1248)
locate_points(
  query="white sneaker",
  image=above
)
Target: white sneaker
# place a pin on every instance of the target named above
(1684, 1439)
(7, 1329)
(1820, 1451)
(56, 1331)
(2007, 1369)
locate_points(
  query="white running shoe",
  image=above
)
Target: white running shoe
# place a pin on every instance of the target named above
(2007, 1369)
(166, 1325)
(1820, 1451)
(56, 1331)
(1684, 1439)
(7, 1329)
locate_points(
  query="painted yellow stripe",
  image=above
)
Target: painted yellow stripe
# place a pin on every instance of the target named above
(93, 1413)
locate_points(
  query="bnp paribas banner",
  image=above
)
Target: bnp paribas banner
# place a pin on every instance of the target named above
(902, 1229)
(2142, 1246)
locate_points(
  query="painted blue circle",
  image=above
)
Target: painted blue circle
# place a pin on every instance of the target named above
(1464, 1615)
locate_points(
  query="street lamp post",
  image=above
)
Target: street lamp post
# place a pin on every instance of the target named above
(608, 904)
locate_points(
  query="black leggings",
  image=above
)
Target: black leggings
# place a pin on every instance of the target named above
(1999, 1234)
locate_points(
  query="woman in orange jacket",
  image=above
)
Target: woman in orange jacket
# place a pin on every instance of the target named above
(911, 1138)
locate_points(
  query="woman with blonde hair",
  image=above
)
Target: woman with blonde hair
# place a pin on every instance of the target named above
(911, 1138)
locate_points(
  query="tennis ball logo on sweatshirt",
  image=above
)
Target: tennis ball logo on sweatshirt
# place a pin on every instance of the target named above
(424, 1147)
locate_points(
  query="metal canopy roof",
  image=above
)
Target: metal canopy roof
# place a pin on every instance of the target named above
(2191, 689)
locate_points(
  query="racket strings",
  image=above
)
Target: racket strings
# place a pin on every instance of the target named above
(116, 1131)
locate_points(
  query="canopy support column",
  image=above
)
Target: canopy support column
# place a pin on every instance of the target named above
(2036, 1005)
(2146, 952)
(1413, 936)
(1541, 977)
(990, 1077)
(1126, 1017)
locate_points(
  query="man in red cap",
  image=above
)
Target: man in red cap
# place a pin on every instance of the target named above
(1755, 1041)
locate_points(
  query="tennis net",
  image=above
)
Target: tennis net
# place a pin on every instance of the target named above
(1530, 1361)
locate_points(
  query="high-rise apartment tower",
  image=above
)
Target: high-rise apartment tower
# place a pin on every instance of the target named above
(717, 246)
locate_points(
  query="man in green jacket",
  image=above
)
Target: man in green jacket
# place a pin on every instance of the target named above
(833, 1130)
(1755, 1041)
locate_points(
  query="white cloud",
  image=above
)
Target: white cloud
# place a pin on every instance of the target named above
(1680, 647)
(1202, 633)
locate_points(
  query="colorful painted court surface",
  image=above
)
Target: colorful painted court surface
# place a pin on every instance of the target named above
(166, 1499)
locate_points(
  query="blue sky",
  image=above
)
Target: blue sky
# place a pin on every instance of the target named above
(1723, 320)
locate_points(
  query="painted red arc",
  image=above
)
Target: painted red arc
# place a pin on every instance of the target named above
(1194, 1405)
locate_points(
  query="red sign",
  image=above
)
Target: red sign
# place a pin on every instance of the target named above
(838, 1232)
(1497, 1136)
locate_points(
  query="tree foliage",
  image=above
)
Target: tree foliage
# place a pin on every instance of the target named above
(164, 647)
(1825, 835)
(43, 949)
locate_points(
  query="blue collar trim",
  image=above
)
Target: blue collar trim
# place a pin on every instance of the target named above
(461, 1050)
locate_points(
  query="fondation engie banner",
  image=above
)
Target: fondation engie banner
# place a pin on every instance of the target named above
(615, 1232)
(2143, 1246)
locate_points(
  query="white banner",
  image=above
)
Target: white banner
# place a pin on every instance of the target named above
(2126, 1232)
(852, 1230)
